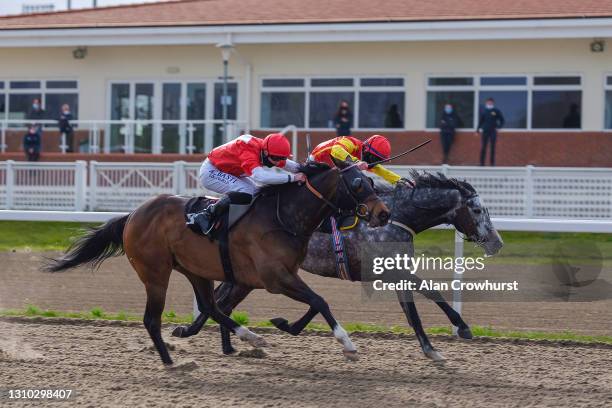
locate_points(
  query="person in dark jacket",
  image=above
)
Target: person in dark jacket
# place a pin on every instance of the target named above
(393, 119)
(449, 122)
(65, 127)
(31, 144)
(343, 120)
(37, 114)
(491, 119)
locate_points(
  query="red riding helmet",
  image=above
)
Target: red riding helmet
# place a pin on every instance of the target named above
(276, 144)
(379, 146)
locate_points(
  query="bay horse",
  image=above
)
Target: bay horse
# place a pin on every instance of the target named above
(267, 246)
(433, 200)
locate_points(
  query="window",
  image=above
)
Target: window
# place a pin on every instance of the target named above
(556, 102)
(608, 103)
(313, 102)
(527, 102)
(16, 99)
(458, 91)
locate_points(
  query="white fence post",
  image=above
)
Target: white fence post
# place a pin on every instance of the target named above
(529, 191)
(179, 177)
(93, 183)
(80, 181)
(457, 276)
(10, 183)
(3, 140)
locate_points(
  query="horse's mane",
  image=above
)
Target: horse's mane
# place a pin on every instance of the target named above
(309, 168)
(439, 180)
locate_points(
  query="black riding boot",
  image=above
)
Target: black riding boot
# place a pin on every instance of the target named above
(207, 218)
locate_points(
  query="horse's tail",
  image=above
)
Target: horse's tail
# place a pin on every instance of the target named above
(93, 248)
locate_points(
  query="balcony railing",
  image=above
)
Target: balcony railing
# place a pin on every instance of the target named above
(136, 136)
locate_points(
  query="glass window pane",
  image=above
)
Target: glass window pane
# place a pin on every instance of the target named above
(196, 101)
(451, 81)
(556, 109)
(283, 82)
(2, 106)
(120, 109)
(120, 101)
(279, 109)
(232, 101)
(503, 81)
(463, 101)
(608, 107)
(144, 102)
(332, 82)
(512, 104)
(171, 101)
(55, 101)
(323, 107)
(232, 107)
(171, 110)
(25, 84)
(554, 80)
(381, 109)
(20, 105)
(143, 110)
(61, 84)
(1, 85)
(609, 80)
(382, 82)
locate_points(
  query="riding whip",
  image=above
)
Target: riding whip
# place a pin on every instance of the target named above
(399, 155)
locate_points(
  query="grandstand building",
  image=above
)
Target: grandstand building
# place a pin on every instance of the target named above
(158, 67)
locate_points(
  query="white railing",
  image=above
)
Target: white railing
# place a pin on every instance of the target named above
(518, 192)
(536, 192)
(137, 136)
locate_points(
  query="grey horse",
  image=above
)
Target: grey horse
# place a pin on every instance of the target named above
(433, 200)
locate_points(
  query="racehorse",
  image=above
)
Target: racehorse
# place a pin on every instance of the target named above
(433, 200)
(267, 246)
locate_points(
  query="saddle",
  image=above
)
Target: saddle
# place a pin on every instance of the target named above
(198, 204)
(221, 225)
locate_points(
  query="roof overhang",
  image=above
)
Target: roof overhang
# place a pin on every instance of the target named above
(311, 33)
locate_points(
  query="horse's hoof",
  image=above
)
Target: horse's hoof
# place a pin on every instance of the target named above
(228, 352)
(434, 355)
(465, 333)
(280, 323)
(255, 340)
(351, 355)
(181, 331)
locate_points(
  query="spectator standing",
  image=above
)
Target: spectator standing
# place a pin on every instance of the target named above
(343, 119)
(36, 115)
(393, 120)
(31, 144)
(65, 127)
(491, 119)
(449, 122)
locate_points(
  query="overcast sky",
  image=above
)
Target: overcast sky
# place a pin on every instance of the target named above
(14, 6)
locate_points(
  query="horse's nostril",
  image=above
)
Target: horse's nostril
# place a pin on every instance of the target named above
(384, 216)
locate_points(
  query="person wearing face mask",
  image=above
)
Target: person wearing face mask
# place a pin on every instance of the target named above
(36, 114)
(242, 166)
(449, 122)
(491, 119)
(343, 120)
(65, 127)
(31, 144)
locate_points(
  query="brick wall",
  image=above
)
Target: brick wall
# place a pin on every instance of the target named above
(574, 149)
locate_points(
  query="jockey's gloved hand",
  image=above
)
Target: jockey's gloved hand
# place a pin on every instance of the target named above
(362, 165)
(298, 177)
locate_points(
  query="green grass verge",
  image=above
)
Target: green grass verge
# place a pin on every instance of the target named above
(243, 318)
(520, 247)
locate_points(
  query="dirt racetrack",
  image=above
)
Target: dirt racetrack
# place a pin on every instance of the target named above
(113, 365)
(116, 287)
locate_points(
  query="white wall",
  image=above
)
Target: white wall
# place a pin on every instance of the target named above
(414, 60)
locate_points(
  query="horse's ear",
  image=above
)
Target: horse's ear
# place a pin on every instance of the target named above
(342, 164)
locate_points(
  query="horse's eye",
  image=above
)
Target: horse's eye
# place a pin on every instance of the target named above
(356, 185)
(477, 210)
